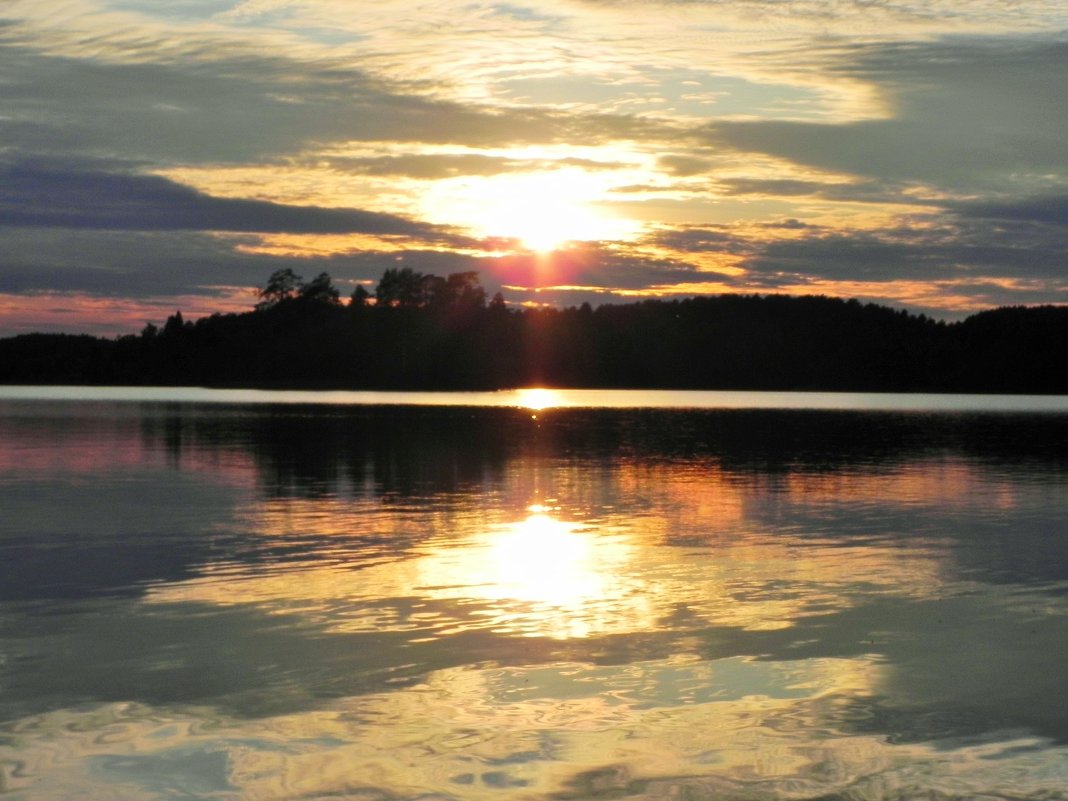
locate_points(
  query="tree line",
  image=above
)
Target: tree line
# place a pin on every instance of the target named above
(418, 331)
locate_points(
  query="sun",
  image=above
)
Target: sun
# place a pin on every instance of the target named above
(536, 398)
(545, 212)
(541, 211)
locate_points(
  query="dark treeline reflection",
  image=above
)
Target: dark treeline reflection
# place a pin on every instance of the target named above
(317, 451)
(416, 451)
(427, 332)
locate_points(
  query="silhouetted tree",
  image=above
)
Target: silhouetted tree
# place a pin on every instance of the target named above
(320, 290)
(359, 296)
(406, 287)
(174, 325)
(432, 291)
(400, 287)
(282, 285)
(464, 290)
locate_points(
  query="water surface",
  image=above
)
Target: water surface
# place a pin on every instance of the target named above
(265, 598)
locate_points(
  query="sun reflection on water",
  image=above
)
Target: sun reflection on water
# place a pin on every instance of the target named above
(546, 561)
(537, 575)
(542, 576)
(553, 569)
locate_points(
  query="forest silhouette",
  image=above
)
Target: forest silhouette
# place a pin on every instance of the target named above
(429, 332)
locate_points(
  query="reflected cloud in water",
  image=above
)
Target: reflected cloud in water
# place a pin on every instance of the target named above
(532, 602)
(737, 729)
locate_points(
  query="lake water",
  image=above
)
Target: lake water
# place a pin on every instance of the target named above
(212, 595)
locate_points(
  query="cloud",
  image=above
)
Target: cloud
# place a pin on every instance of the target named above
(684, 166)
(1044, 210)
(969, 252)
(861, 191)
(134, 264)
(320, 106)
(841, 256)
(965, 115)
(932, 247)
(789, 224)
(252, 108)
(697, 239)
(35, 194)
(829, 11)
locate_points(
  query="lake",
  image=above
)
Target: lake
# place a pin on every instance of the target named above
(231, 595)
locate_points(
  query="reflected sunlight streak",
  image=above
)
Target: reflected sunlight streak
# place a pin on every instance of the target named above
(545, 577)
(546, 561)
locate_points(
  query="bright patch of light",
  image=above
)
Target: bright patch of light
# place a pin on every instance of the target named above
(546, 561)
(538, 399)
(543, 211)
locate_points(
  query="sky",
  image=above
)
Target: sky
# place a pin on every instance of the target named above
(158, 155)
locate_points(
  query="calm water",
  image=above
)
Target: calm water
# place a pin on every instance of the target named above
(249, 596)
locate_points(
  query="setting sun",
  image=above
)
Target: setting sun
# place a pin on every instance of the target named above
(541, 211)
(538, 399)
(542, 216)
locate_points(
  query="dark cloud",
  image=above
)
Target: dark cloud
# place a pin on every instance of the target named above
(790, 224)
(139, 264)
(777, 187)
(1044, 210)
(245, 108)
(1020, 245)
(966, 114)
(135, 264)
(700, 238)
(36, 194)
(852, 192)
(683, 166)
(845, 256)
(966, 252)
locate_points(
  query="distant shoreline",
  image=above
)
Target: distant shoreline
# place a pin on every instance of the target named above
(723, 343)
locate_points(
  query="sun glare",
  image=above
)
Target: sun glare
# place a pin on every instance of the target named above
(546, 561)
(547, 221)
(542, 211)
(538, 399)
